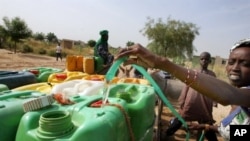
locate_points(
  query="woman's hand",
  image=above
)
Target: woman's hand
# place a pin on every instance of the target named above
(195, 126)
(139, 55)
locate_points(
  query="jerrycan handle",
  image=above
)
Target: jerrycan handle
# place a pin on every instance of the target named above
(111, 74)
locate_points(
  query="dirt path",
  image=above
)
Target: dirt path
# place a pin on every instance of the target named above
(20, 61)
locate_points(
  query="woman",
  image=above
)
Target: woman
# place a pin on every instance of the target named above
(238, 72)
(102, 48)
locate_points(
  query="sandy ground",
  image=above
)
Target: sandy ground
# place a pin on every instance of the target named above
(10, 61)
(19, 61)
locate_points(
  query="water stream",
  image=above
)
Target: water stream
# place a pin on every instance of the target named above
(105, 93)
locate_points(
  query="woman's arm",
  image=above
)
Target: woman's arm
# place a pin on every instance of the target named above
(212, 87)
(205, 127)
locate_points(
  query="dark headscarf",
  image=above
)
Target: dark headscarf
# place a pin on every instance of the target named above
(104, 32)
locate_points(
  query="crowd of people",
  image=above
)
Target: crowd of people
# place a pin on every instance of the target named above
(236, 93)
(202, 91)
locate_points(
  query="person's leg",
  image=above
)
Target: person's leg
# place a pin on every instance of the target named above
(57, 56)
(174, 125)
(60, 56)
(211, 136)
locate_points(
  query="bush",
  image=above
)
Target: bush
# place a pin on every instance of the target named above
(52, 53)
(42, 51)
(64, 54)
(27, 49)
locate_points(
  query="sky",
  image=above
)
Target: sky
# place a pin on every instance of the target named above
(221, 23)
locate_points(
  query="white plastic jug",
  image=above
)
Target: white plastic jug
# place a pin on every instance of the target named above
(78, 87)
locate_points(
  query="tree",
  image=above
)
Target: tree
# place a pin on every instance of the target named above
(16, 29)
(39, 36)
(129, 43)
(51, 37)
(2, 36)
(91, 43)
(173, 39)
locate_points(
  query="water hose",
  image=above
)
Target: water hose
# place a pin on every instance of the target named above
(111, 74)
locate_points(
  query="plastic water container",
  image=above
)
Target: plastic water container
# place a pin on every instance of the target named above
(98, 63)
(42, 73)
(71, 62)
(119, 120)
(16, 78)
(3, 87)
(78, 87)
(11, 111)
(42, 87)
(66, 76)
(89, 65)
(79, 63)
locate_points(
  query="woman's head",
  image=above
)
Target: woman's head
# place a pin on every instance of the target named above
(238, 66)
(104, 35)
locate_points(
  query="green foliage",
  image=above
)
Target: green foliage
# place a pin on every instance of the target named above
(15, 29)
(91, 43)
(52, 53)
(113, 50)
(3, 36)
(42, 51)
(173, 39)
(64, 54)
(129, 43)
(51, 37)
(27, 49)
(39, 36)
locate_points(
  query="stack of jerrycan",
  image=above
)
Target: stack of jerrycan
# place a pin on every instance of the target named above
(128, 115)
(11, 110)
(42, 73)
(86, 64)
